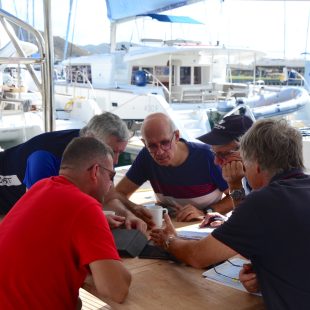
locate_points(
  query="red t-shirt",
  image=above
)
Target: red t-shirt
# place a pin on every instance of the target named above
(47, 241)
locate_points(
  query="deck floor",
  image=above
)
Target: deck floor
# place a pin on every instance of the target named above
(90, 302)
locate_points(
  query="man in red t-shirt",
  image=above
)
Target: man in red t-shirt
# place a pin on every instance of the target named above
(57, 234)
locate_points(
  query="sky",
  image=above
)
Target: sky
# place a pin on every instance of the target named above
(278, 28)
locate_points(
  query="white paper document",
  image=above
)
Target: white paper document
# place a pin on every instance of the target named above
(193, 232)
(227, 273)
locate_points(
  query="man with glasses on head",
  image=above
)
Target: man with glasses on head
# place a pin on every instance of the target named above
(56, 235)
(224, 140)
(23, 165)
(182, 174)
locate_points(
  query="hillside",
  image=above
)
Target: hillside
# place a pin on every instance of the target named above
(73, 50)
(97, 49)
(76, 50)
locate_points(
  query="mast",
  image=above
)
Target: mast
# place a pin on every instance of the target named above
(68, 29)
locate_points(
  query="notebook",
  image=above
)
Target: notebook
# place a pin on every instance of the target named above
(129, 242)
(132, 243)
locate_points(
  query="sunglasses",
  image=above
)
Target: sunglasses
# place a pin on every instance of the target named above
(110, 172)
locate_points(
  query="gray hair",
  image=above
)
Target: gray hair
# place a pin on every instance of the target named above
(105, 125)
(161, 116)
(82, 152)
(274, 144)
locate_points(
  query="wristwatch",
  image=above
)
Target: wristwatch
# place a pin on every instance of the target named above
(207, 210)
(237, 194)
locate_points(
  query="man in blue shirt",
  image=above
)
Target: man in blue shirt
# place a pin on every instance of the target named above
(182, 174)
(23, 165)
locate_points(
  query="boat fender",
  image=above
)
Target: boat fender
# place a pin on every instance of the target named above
(140, 78)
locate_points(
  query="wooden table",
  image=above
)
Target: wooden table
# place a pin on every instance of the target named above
(159, 284)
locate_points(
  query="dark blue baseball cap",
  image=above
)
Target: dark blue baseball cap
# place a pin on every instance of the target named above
(228, 129)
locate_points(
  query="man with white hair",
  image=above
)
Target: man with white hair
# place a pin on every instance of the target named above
(23, 165)
(270, 226)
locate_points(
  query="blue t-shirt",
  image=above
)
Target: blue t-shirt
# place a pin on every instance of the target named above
(197, 181)
(42, 154)
(271, 228)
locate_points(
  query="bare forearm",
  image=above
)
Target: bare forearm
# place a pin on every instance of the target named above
(186, 251)
(129, 204)
(199, 254)
(223, 206)
(111, 295)
(117, 206)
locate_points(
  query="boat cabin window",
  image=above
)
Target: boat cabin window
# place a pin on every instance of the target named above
(197, 75)
(79, 74)
(133, 74)
(190, 75)
(185, 75)
(162, 74)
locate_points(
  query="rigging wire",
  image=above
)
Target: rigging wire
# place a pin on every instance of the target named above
(306, 47)
(284, 29)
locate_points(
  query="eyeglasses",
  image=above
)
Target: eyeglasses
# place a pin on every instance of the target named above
(224, 155)
(226, 276)
(111, 172)
(164, 145)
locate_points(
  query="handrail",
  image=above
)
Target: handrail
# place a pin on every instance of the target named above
(85, 78)
(4, 18)
(159, 83)
(239, 107)
(7, 18)
(303, 79)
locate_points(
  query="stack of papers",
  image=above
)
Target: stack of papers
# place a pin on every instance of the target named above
(193, 232)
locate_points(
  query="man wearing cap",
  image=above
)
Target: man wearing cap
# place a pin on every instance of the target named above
(224, 140)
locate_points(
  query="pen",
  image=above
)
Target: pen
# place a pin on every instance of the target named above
(215, 218)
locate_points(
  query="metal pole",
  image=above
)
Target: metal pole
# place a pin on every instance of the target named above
(170, 77)
(113, 26)
(48, 101)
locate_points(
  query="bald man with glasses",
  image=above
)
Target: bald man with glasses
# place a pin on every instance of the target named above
(182, 174)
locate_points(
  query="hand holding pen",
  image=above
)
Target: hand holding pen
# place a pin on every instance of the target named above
(213, 219)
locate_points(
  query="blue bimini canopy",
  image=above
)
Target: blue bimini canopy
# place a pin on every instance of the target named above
(172, 19)
(120, 10)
